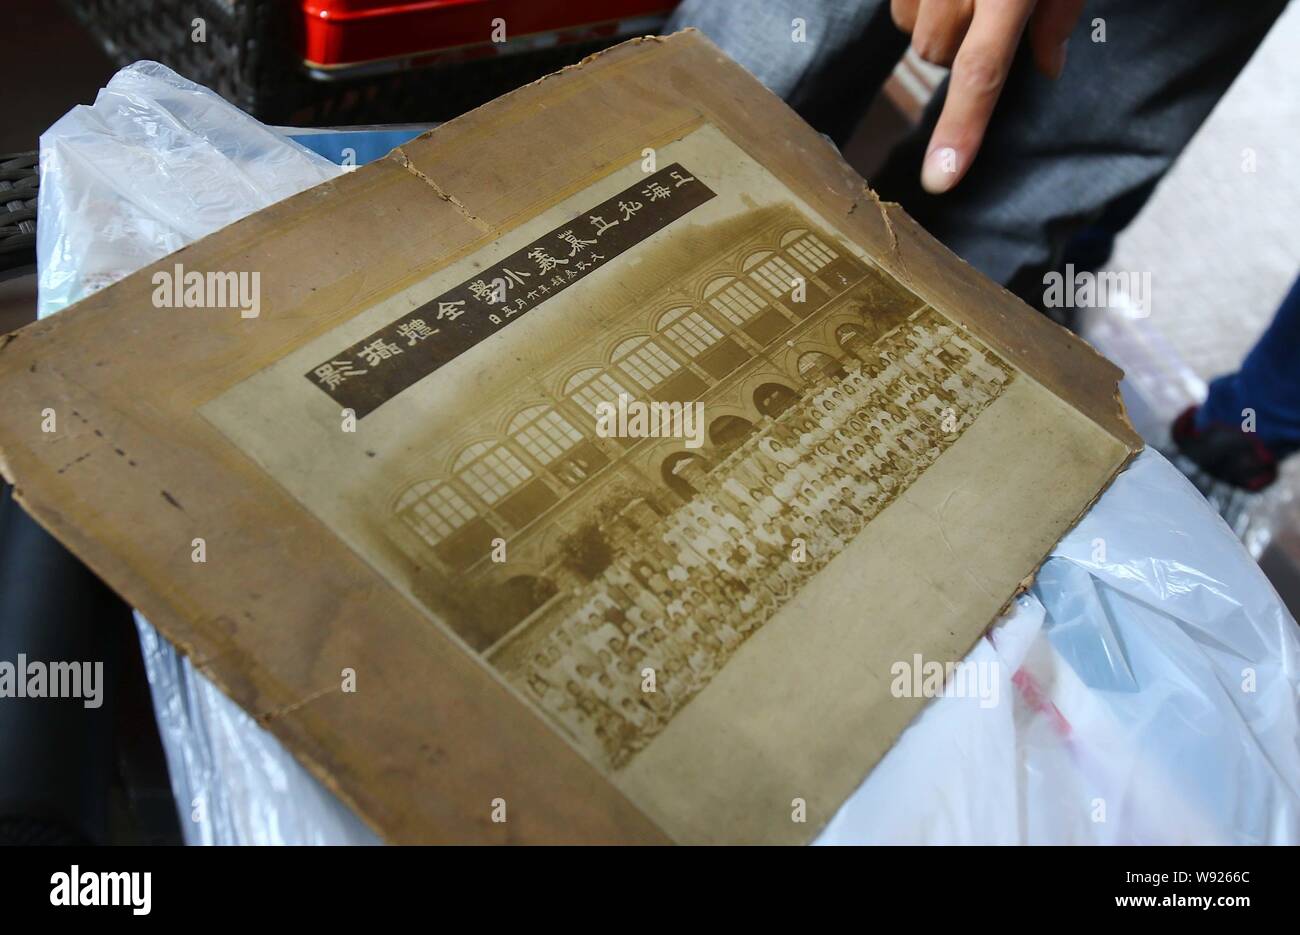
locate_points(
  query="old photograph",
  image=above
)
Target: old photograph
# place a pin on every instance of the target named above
(582, 566)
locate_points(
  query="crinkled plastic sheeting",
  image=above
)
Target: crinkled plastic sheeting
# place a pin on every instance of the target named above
(1144, 690)
(1151, 674)
(156, 163)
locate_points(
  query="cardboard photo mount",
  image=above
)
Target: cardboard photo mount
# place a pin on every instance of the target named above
(134, 473)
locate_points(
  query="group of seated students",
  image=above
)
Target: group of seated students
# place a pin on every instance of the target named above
(684, 593)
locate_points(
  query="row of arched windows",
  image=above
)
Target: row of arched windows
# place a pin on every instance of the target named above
(544, 435)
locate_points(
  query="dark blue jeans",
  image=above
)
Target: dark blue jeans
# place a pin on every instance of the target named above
(1267, 383)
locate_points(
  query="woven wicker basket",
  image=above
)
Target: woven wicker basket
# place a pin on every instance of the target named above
(18, 183)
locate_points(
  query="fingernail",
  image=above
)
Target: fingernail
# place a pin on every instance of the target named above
(1058, 63)
(939, 172)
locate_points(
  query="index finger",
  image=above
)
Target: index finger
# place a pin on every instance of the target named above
(978, 74)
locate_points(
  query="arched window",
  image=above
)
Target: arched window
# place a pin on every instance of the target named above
(734, 300)
(814, 363)
(776, 276)
(689, 330)
(645, 361)
(812, 252)
(589, 388)
(850, 335)
(434, 510)
(491, 470)
(543, 433)
(772, 399)
(727, 433)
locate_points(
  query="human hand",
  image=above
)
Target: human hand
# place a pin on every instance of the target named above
(978, 39)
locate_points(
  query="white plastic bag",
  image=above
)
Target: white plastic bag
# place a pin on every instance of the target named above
(156, 163)
(1150, 680)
